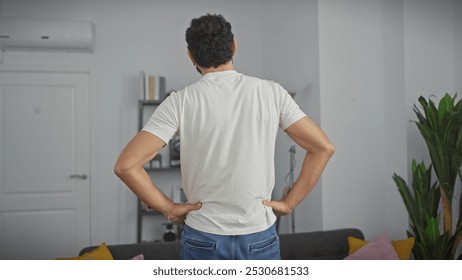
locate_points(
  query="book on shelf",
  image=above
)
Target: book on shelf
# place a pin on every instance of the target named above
(152, 86)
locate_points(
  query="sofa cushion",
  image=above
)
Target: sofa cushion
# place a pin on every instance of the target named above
(139, 257)
(150, 250)
(377, 249)
(402, 247)
(94, 253)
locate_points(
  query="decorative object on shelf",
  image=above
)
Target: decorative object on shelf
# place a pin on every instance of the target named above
(152, 87)
(156, 162)
(426, 201)
(169, 234)
(175, 151)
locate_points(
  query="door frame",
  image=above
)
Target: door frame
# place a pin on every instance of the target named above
(94, 124)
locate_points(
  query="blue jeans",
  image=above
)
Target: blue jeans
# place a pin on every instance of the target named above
(198, 245)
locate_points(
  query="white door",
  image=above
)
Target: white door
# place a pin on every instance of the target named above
(44, 164)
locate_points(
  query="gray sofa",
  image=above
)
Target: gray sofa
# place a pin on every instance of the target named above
(318, 245)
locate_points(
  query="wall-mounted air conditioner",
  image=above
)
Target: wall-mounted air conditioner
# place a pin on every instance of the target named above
(28, 34)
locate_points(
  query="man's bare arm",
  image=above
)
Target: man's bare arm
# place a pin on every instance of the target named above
(308, 135)
(130, 169)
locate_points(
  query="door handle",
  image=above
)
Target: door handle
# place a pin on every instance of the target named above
(79, 176)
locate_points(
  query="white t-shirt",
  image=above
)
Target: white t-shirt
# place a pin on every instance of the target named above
(227, 124)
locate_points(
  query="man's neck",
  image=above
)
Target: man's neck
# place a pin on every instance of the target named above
(221, 68)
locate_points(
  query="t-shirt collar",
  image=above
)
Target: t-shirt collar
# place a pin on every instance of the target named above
(219, 74)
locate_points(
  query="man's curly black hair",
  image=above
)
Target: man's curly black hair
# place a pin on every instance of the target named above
(210, 40)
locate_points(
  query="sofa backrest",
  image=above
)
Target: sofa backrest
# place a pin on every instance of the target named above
(318, 245)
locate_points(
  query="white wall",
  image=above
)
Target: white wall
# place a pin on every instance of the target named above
(361, 104)
(1, 12)
(429, 60)
(457, 15)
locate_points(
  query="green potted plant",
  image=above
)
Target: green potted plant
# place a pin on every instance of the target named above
(426, 202)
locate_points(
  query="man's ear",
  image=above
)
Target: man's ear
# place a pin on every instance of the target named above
(194, 62)
(191, 57)
(234, 46)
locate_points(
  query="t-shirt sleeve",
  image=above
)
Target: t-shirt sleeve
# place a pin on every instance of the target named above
(164, 122)
(289, 111)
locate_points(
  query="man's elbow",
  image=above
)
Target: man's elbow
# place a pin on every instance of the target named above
(329, 149)
(120, 169)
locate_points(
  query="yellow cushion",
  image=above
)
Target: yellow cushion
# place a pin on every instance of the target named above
(100, 253)
(402, 247)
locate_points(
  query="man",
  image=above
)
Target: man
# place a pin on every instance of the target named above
(227, 123)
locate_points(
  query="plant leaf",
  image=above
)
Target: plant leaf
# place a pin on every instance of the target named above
(446, 105)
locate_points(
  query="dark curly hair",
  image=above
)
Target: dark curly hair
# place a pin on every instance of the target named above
(210, 40)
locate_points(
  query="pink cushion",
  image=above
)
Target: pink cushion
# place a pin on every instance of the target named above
(139, 257)
(378, 249)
